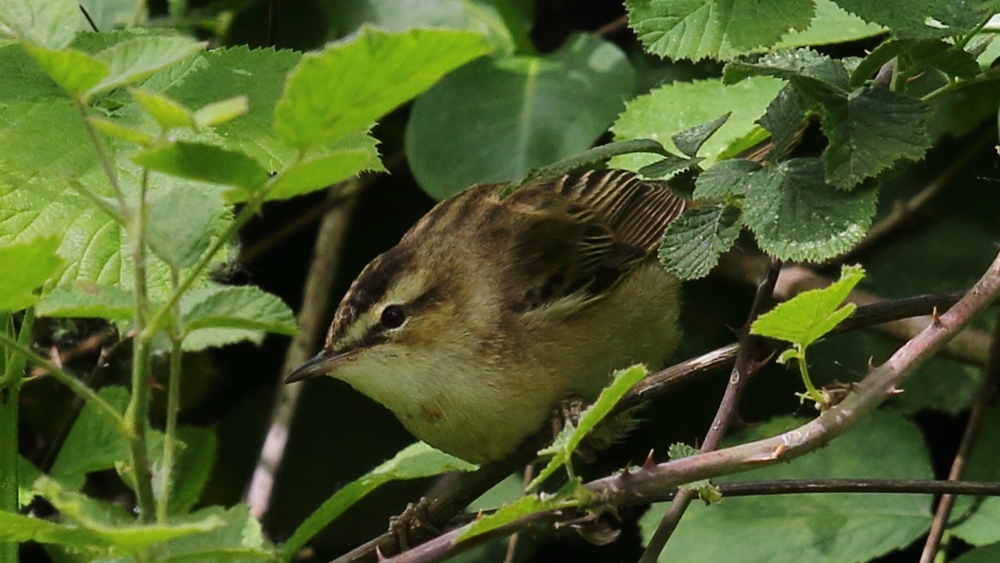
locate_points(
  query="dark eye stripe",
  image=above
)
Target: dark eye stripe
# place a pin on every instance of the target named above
(370, 287)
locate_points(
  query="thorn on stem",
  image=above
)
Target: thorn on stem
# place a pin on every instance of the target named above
(650, 462)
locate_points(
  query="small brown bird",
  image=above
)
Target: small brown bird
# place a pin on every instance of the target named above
(491, 311)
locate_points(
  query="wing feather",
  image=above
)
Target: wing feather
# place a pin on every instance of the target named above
(586, 231)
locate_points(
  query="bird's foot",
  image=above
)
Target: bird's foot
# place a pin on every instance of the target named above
(610, 430)
(415, 517)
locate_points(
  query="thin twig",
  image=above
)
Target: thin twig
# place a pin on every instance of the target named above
(106, 165)
(91, 381)
(322, 271)
(89, 344)
(612, 27)
(984, 400)
(137, 411)
(173, 407)
(75, 385)
(746, 366)
(10, 400)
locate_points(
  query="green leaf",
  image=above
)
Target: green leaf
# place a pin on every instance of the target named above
(84, 299)
(74, 71)
(106, 524)
(182, 221)
(479, 16)
(784, 120)
(831, 25)
(726, 179)
(113, 14)
(807, 69)
(352, 83)
(497, 118)
(26, 475)
(985, 554)
(244, 307)
(352, 155)
(680, 450)
(912, 18)
(566, 443)
(205, 163)
(94, 443)
(706, 491)
(26, 267)
(45, 144)
(675, 107)
(692, 244)
(717, 29)
(17, 528)
(238, 539)
(751, 140)
(506, 514)
(50, 24)
(797, 217)
(667, 167)
(413, 462)
(95, 244)
(218, 113)
(869, 131)
(821, 528)
(136, 59)
(205, 338)
(259, 75)
(689, 141)
(957, 112)
(127, 134)
(943, 56)
(810, 315)
(168, 113)
(26, 83)
(504, 492)
(595, 155)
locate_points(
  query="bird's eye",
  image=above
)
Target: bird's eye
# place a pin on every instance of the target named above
(393, 316)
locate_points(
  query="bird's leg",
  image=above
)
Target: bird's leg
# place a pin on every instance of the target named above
(568, 414)
(413, 518)
(606, 433)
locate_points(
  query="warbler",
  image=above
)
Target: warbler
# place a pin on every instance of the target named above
(492, 310)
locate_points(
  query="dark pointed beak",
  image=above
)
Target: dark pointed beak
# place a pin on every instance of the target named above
(322, 364)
